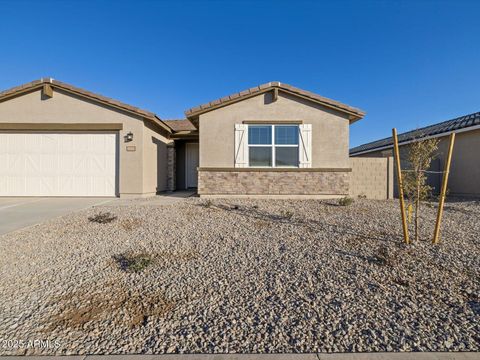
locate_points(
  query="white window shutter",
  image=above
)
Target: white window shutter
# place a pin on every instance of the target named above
(305, 146)
(241, 145)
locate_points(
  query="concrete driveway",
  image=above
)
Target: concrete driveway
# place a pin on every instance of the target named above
(17, 213)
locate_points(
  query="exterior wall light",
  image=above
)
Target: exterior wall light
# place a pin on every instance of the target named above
(129, 137)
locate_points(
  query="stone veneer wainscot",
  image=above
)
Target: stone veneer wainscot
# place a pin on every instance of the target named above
(250, 181)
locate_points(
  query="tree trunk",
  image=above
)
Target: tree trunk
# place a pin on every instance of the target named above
(417, 207)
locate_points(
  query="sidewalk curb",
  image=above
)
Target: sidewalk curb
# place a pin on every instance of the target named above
(311, 356)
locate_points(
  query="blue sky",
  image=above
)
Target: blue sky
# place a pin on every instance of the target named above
(406, 63)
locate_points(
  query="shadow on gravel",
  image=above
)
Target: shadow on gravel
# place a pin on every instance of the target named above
(383, 256)
(451, 208)
(287, 217)
(475, 306)
(369, 259)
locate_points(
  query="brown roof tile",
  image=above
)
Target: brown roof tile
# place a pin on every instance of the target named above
(180, 125)
(226, 100)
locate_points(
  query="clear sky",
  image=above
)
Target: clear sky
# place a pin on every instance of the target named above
(406, 63)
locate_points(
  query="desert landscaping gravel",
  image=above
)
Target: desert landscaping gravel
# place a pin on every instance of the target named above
(241, 276)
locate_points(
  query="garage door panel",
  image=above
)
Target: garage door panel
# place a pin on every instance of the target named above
(66, 162)
(15, 144)
(31, 164)
(48, 143)
(99, 165)
(15, 165)
(15, 184)
(56, 164)
(31, 185)
(3, 161)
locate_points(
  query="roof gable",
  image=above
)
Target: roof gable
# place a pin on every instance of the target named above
(39, 84)
(354, 113)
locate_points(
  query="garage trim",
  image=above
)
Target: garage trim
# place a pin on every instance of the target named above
(61, 126)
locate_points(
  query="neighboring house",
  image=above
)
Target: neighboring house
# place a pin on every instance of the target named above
(274, 140)
(464, 179)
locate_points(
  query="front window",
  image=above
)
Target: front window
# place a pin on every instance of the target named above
(273, 145)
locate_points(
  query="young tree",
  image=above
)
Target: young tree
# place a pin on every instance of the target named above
(420, 156)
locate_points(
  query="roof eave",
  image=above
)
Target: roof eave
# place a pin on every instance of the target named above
(163, 125)
(185, 135)
(194, 113)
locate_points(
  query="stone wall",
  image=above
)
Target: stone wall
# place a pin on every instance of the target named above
(171, 168)
(260, 182)
(371, 177)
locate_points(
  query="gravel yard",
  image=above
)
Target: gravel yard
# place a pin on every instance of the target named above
(242, 276)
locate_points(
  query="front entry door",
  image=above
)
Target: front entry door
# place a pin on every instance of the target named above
(191, 165)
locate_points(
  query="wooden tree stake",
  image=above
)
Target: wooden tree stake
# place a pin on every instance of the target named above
(400, 185)
(446, 171)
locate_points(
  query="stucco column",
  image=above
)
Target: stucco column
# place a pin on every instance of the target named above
(171, 167)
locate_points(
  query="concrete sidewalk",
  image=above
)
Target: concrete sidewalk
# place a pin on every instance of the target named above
(342, 356)
(18, 213)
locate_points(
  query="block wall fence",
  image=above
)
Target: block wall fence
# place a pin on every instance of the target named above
(372, 177)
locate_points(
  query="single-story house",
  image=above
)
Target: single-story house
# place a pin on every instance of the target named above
(464, 177)
(271, 140)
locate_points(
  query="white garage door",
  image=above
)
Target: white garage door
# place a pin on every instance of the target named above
(57, 164)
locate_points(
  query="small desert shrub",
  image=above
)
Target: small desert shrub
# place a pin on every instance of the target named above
(102, 218)
(402, 282)
(130, 224)
(287, 214)
(261, 224)
(386, 257)
(345, 201)
(133, 263)
(207, 203)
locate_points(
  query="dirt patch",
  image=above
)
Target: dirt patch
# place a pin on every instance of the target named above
(130, 224)
(261, 224)
(112, 302)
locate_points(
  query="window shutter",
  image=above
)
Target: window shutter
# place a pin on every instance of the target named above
(241, 145)
(305, 148)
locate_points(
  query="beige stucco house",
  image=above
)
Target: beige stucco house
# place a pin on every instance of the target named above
(464, 177)
(59, 140)
(272, 140)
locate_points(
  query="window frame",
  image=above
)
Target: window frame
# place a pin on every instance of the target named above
(273, 145)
